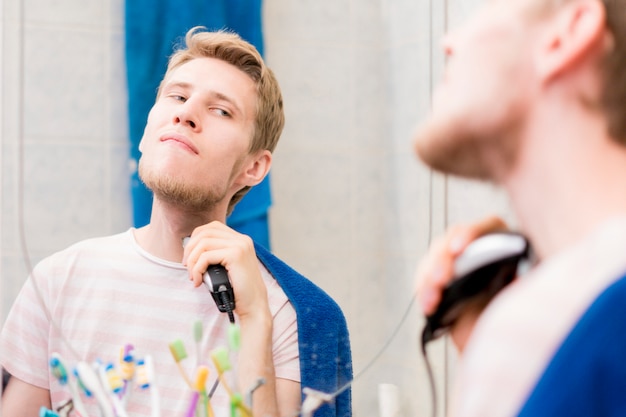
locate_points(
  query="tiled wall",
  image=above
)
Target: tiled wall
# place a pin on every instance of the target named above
(353, 209)
(64, 105)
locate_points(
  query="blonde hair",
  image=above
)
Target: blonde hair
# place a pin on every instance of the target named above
(231, 48)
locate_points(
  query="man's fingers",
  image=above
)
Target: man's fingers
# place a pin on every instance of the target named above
(488, 225)
(436, 269)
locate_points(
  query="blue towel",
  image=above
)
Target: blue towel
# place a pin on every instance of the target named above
(323, 339)
(153, 29)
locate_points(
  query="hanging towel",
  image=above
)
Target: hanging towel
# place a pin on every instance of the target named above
(153, 29)
(323, 338)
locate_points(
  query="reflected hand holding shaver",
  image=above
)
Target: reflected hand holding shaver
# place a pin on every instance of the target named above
(486, 266)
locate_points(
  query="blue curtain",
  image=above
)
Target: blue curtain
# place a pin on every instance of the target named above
(153, 29)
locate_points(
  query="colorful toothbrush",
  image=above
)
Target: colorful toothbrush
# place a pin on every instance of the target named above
(177, 348)
(201, 376)
(59, 370)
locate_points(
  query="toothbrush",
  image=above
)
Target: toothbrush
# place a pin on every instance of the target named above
(201, 376)
(144, 378)
(59, 370)
(222, 364)
(127, 368)
(91, 382)
(220, 359)
(177, 348)
(197, 336)
(112, 383)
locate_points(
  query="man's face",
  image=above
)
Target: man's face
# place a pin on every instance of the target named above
(479, 106)
(198, 134)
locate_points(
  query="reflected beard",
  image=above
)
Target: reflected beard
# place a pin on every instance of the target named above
(453, 148)
(447, 151)
(173, 191)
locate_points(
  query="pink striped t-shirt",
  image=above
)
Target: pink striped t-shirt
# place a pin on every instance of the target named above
(106, 293)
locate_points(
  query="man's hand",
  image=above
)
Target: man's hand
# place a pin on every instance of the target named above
(437, 268)
(216, 243)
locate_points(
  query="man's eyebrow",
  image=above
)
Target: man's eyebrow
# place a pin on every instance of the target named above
(177, 84)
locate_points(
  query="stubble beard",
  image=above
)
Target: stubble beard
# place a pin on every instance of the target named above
(448, 150)
(177, 192)
(486, 153)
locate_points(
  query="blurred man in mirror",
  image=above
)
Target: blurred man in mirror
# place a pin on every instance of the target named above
(534, 100)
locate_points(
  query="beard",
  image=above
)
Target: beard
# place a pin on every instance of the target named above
(486, 151)
(447, 151)
(178, 192)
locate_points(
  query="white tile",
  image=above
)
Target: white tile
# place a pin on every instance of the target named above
(327, 21)
(116, 11)
(66, 12)
(11, 78)
(322, 219)
(370, 203)
(405, 20)
(64, 85)
(12, 277)
(9, 209)
(117, 92)
(119, 203)
(371, 114)
(64, 188)
(318, 101)
(368, 21)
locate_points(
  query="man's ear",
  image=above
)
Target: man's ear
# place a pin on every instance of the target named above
(576, 29)
(256, 168)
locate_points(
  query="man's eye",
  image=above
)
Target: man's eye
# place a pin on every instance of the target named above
(178, 98)
(221, 112)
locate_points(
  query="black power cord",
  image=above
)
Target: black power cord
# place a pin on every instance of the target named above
(228, 304)
(431, 380)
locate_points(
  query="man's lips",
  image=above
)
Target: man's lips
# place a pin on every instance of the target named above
(180, 139)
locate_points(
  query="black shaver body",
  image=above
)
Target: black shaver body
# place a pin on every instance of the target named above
(216, 279)
(485, 267)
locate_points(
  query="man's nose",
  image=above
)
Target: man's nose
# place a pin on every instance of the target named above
(185, 115)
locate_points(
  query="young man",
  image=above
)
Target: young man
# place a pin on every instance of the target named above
(533, 100)
(209, 137)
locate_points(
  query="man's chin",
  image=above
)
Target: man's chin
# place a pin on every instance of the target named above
(429, 142)
(447, 151)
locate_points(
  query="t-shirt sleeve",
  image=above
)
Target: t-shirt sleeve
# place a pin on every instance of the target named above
(285, 344)
(285, 331)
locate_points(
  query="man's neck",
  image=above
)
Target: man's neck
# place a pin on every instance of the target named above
(567, 181)
(163, 236)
